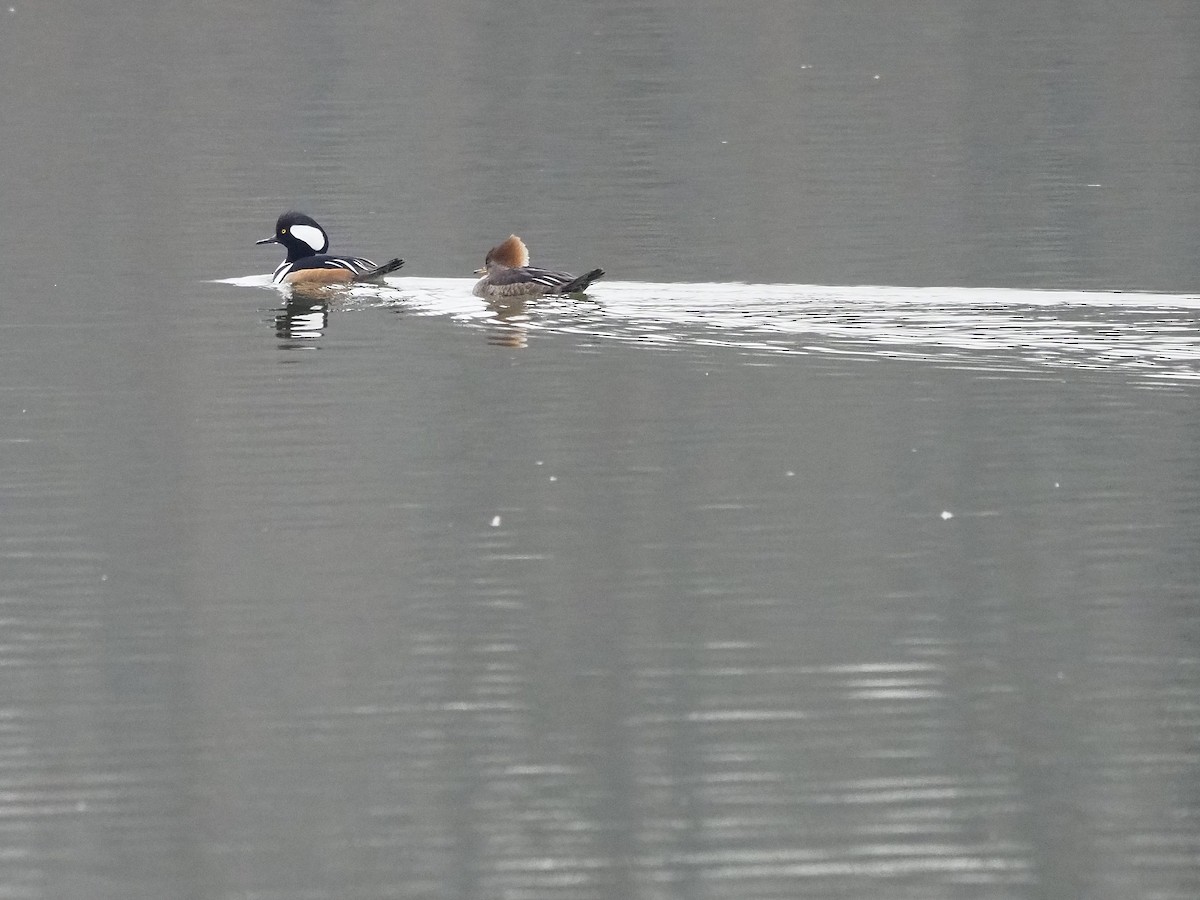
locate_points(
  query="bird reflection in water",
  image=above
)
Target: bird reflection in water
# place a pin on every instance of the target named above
(304, 317)
(509, 324)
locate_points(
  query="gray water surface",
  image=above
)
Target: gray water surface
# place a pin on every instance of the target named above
(841, 543)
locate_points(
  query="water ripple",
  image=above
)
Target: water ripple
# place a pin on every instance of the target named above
(982, 329)
(978, 328)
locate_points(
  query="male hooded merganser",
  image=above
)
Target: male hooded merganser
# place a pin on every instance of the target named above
(307, 261)
(506, 273)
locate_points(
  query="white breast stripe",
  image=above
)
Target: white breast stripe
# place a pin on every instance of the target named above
(281, 272)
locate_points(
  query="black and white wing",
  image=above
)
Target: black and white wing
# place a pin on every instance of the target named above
(355, 265)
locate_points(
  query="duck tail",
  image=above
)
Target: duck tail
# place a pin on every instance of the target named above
(376, 274)
(581, 283)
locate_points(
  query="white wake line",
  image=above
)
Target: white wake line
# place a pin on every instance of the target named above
(1029, 330)
(641, 293)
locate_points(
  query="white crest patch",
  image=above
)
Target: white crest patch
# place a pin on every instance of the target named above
(314, 237)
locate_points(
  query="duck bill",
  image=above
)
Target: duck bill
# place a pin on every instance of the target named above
(481, 271)
(271, 240)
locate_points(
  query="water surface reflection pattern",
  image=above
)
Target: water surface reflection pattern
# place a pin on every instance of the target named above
(413, 615)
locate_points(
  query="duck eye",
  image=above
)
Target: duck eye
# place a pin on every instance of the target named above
(283, 231)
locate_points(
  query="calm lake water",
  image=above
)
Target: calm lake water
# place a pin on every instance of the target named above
(736, 579)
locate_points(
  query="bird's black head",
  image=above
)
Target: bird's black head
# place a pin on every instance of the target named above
(300, 235)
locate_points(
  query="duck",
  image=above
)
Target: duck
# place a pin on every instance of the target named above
(506, 273)
(308, 258)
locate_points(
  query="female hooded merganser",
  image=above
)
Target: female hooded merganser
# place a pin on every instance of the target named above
(506, 273)
(307, 261)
